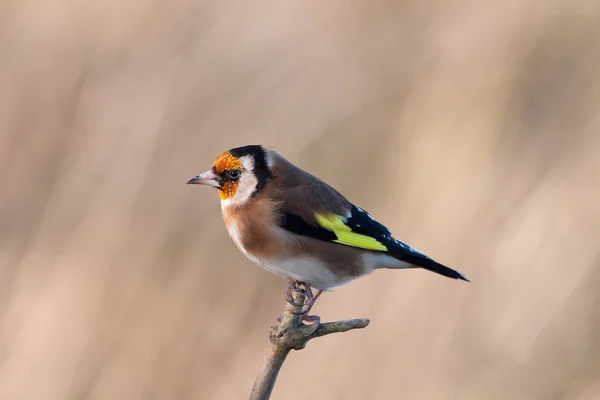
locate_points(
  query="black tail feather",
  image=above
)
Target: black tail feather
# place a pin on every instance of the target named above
(431, 265)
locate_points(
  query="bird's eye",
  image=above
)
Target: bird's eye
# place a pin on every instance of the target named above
(233, 174)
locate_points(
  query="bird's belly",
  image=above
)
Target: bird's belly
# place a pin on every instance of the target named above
(304, 269)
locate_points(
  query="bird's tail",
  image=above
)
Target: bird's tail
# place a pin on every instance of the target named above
(430, 265)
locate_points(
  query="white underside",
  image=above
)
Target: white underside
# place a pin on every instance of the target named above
(304, 270)
(313, 271)
(376, 261)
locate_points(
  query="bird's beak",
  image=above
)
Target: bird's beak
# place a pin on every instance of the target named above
(206, 178)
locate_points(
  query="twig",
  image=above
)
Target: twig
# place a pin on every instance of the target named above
(290, 334)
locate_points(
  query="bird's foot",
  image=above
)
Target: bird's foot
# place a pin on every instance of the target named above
(293, 286)
(311, 319)
(310, 300)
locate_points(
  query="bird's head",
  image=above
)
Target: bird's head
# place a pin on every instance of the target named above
(238, 174)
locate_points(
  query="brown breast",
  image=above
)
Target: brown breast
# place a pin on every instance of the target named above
(252, 227)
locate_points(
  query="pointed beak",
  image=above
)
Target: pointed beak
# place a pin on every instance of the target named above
(206, 178)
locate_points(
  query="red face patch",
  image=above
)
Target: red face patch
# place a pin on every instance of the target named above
(227, 162)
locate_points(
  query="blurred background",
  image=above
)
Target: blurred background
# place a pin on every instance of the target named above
(471, 128)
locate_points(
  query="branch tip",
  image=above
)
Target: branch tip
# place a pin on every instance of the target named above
(292, 334)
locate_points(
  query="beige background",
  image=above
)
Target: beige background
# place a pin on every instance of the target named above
(470, 128)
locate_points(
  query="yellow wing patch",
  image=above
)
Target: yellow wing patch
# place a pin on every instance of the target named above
(336, 224)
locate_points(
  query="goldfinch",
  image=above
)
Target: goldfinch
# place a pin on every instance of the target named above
(298, 227)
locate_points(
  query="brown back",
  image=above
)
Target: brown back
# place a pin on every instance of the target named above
(299, 192)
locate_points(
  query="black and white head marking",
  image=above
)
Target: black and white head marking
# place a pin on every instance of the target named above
(255, 175)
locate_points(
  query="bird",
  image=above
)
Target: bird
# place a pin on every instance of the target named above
(295, 225)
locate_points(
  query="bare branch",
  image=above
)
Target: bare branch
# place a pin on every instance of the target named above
(290, 334)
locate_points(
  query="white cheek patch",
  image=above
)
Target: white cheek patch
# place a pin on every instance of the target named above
(246, 185)
(247, 163)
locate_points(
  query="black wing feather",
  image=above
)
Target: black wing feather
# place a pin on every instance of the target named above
(295, 224)
(361, 222)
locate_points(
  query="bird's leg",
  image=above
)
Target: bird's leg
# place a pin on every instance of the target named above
(313, 319)
(310, 298)
(292, 286)
(310, 301)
